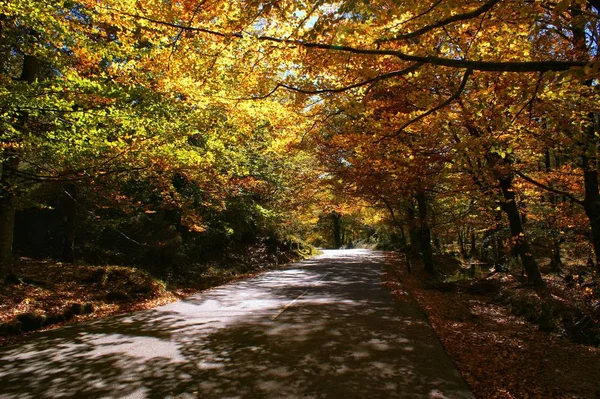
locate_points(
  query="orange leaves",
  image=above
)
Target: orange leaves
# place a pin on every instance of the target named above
(171, 80)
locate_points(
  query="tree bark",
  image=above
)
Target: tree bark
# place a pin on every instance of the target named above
(461, 244)
(337, 229)
(521, 245)
(7, 213)
(591, 205)
(413, 230)
(437, 243)
(425, 241)
(556, 261)
(589, 144)
(473, 250)
(404, 248)
(10, 163)
(69, 210)
(499, 255)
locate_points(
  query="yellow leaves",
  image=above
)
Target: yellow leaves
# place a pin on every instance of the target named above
(205, 75)
(11, 145)
(197, 228)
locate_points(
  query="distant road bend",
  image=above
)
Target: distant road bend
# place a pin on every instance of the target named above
(322, 328)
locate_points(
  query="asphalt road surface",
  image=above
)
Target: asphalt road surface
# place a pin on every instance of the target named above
(322, 328)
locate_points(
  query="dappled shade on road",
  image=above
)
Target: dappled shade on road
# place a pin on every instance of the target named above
(321, 328)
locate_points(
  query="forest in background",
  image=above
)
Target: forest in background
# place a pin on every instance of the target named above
(118, 150)
(165, 134)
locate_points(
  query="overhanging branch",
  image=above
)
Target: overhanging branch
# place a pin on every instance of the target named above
(447, 21)
(445, 103)
(376, 79)
(373, 80)
(488, 66)
(548, 188)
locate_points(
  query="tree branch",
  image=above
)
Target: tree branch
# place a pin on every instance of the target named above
(447, 102)
(373, 80)
(376, 79)
(548, 188)
(488, 66)
(431, 8)
(530, 102)
(198, 6)
(455, 18)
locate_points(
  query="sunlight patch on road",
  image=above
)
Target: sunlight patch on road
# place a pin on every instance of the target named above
(143, 348)
(288, 305)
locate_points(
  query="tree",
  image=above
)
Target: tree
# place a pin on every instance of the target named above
(424, 104)
(9, 167)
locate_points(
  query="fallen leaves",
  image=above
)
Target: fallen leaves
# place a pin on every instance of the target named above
(48, 288)
(500, 355)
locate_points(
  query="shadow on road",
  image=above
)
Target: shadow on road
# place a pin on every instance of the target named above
(321, 328)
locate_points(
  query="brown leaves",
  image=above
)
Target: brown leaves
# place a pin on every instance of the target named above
(501, 355)
(48, 288)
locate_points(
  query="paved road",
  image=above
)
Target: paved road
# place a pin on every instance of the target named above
(323, 328)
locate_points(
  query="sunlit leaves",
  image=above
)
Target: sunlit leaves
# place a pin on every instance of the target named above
(165, 88)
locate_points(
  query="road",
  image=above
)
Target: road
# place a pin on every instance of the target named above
(322, 328)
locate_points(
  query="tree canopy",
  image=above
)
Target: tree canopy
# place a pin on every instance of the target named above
(446, 118)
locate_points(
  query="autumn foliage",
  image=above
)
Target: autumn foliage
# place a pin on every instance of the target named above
(162, 132)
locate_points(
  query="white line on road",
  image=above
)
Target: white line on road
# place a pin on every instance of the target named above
(288, 305)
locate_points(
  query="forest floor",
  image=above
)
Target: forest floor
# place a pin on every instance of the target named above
(47, 290)
(48, 294)
(498, 332)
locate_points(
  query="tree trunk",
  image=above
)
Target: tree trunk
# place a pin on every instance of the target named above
(413, 230)
(461, 244)
(592, 208)
(589, 144)
(521, 245)
(425, 242)
(499, 255)
(437, 243)
(473, 250)
(7, 214)
(591, 200)
(556, 261)
(401, 237)
(69, 210)
(404, 248)
(337, 229)
(10, 163)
